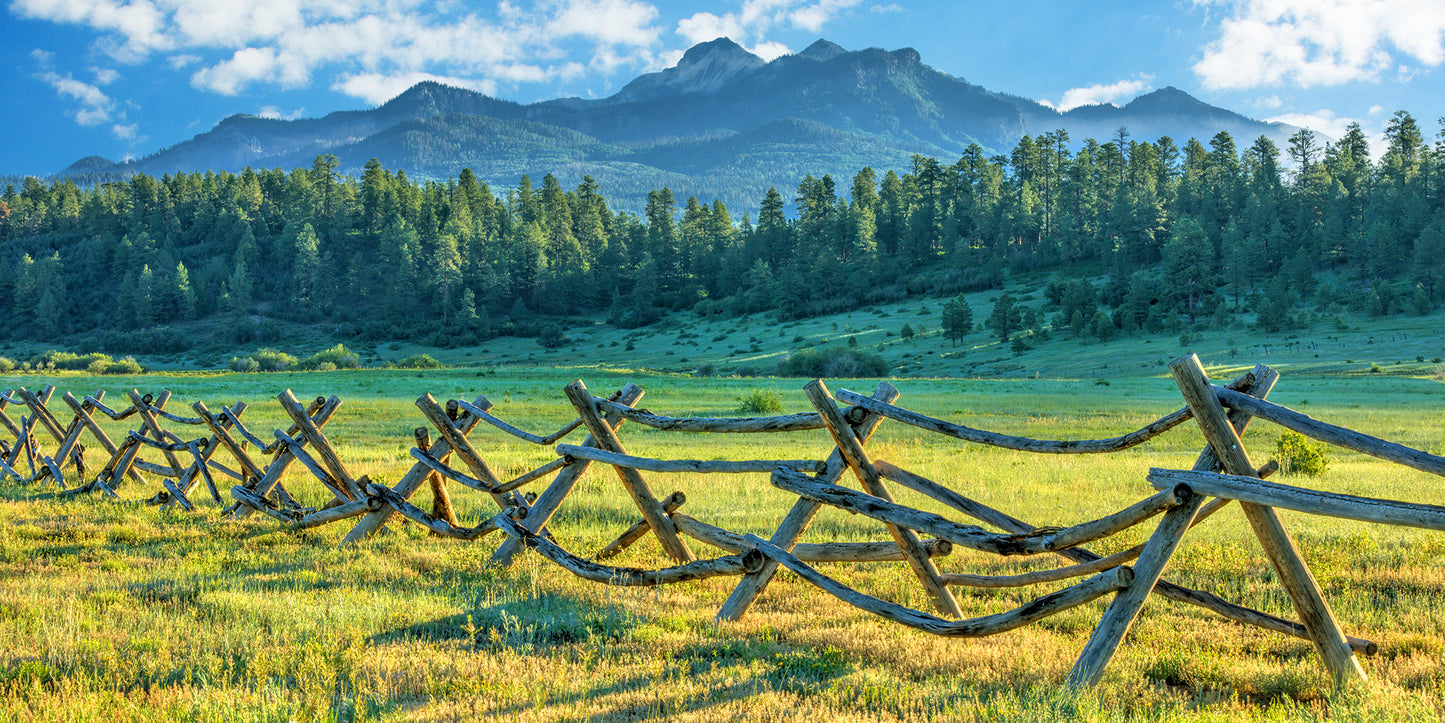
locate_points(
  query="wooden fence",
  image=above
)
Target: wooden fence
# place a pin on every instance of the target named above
(1223, 473)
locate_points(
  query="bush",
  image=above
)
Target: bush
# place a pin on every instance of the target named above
(1299, 455)
(762, 401)
(243, 364)
(67, 360)
(7, 364)
(272, 360)
(338, 357)
(833, 362)
(553, 337)
(705, 369)
(420, 361)
(127, 365)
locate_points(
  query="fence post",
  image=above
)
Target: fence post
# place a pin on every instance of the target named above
(798, 518)
(1294, 574)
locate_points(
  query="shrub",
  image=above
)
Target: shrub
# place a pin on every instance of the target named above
(1299, 455)
(243, 364)
(833, 362)
(705, 369)
(325, 366)
(272, 360)
(420, 361)
(127, 365)
(762, 401)
(7, 364)
(67, 360)
(553, 337)
(339, 357)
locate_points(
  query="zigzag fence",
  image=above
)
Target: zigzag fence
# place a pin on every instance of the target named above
(1223, 473)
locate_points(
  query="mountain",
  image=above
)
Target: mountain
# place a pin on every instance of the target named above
(721, 123)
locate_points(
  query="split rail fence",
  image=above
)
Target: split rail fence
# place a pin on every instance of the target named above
(1223, 473)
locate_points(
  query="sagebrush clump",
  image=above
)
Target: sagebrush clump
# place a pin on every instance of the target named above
(1299, 455)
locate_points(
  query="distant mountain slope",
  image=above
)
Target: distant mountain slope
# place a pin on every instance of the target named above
(721, 123)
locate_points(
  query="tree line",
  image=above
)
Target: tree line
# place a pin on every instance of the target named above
(1154, 235)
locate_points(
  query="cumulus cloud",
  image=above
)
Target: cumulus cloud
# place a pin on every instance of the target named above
(125, 132)
(271, 112)
(288, 43)
(93, 106)
(1320, 121)
(377, 88)
(1307, 43)
(749, 25)
(1098, 94)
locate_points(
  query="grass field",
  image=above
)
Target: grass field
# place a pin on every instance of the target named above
(115, 611)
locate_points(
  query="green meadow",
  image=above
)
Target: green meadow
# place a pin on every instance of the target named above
(111, 610)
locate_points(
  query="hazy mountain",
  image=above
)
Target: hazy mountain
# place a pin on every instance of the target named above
(721, 123)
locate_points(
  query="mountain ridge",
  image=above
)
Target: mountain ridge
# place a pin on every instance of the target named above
(882, 105)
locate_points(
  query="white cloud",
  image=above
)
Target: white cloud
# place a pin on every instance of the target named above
(125, 132)
(271, 112)
(232, 47)
(751, 23)
(1377, 109)
(1306, 43)
(1270, 102)
(1100, 93)
(770, 50)
(885, 9)
(94, 106)
(377, 88)
(105, 76)
(1320, 121)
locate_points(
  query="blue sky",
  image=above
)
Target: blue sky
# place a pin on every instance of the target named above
(122, 78)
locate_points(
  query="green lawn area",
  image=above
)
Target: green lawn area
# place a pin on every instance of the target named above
(110, 610)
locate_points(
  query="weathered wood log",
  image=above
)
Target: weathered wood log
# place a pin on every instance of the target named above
(176, 494)
(551, 498)
(1329, 504)
(546, 441)
(637, 489)
(463, 448)
(536, 474)
(260, 504)
(1025, 444)
(149, 424)
(1178, 593)
(1035, 577)
(1051, 604)
(6, 400)
(153, 468)
(1089, 668)
(198, 466)
(409, 483)
(695, 466)
(630, 576)
(345, 510)
(971, 536)
(1340, 436)
(857, 459)
(82, 413)
(438, 527)
(1294, 574)
(319, 444)
(250, 471)
(715, 425)
(39, 410)
(160, 412)
(332, 484)
(441, 501)
(324, 409)
(800, 515)
(72, 432)
(95, 403)
(182, 446)
(809, 551)
(7, 469)
(670, 504)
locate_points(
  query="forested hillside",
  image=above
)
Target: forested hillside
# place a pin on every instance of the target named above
(1141, 235)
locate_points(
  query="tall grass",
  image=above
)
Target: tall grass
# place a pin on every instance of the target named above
(113, 611)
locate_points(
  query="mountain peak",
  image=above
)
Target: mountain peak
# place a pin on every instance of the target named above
(704, 68)
(822, 50)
